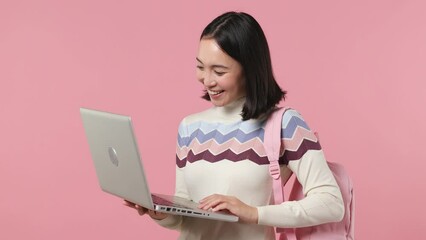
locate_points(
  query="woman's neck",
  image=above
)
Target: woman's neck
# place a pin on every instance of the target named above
(232, 109)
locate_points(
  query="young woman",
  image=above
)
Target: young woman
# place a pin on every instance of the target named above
(221, 161)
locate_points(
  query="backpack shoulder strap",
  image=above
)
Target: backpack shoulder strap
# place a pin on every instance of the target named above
(272, 143)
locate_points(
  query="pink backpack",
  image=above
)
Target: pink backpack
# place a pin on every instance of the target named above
(343, 230)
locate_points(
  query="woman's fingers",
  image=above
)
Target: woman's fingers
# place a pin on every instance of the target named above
(211, 201)
(232, 204)
(141, 210)
(129, 204)
(157, 215)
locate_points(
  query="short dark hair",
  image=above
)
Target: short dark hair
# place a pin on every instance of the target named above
(240, 36)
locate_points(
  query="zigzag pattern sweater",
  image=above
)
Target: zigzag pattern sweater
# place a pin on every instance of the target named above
(219, 153)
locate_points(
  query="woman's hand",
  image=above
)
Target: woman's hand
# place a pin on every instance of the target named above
(141, 210)
(217, 202)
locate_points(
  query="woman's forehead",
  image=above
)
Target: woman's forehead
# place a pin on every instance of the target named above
(209, 53)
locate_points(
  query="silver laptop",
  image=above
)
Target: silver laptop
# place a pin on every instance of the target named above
(120, 171)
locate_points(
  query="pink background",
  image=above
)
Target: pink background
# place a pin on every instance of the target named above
(354, 69)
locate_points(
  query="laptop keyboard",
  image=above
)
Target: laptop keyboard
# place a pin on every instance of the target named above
(161, 201)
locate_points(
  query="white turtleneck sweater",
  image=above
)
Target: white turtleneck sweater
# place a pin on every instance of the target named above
(218, 153)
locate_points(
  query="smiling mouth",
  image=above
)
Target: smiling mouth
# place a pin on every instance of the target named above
(213, 93)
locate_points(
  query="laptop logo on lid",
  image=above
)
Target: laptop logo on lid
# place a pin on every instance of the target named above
(113, 156)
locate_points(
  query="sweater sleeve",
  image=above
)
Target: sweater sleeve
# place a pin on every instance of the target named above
(323, 200)
(174, 221)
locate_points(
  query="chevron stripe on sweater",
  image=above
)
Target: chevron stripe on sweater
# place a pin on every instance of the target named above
(219, 137)
(293, 143)
(215, 148)
(214, 142)
(305, 146)
(290, 126)
(224, 128)
(249, 155)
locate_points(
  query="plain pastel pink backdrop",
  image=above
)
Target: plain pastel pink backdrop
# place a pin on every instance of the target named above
(354, 69)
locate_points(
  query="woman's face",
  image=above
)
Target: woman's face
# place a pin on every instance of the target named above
(221, 75)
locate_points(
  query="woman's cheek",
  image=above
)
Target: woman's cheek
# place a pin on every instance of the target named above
(199, 76)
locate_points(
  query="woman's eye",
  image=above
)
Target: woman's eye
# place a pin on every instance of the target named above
(219, 73)
(200, 67)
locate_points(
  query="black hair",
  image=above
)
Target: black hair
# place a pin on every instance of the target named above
(240, 36)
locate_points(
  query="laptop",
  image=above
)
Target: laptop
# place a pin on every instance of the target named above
(120, 171)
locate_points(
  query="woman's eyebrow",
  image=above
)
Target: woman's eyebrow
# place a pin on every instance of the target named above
(213, 66)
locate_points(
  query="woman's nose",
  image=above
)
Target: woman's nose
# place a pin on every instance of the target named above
(208, 80)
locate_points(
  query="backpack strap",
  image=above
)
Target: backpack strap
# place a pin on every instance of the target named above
(272, 143)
